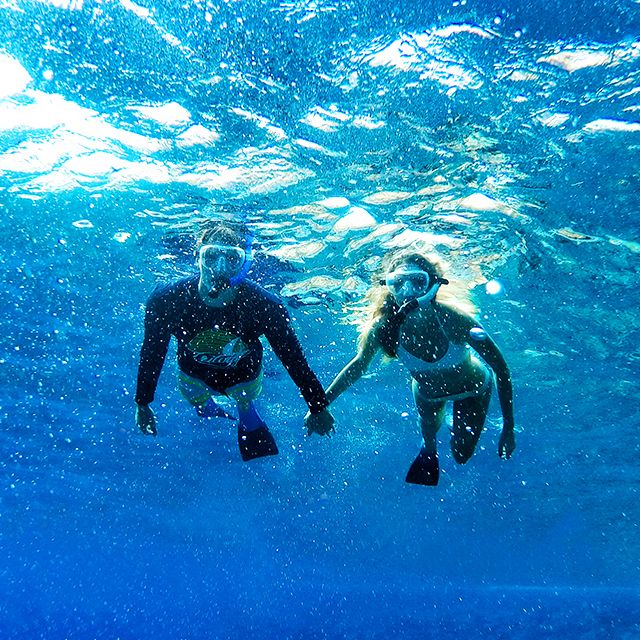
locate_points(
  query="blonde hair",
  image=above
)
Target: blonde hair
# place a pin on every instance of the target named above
(378, 303)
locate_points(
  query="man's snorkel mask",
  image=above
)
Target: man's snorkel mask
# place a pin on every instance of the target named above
(223, 266)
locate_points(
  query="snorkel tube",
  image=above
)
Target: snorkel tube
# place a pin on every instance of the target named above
(422, 301)
(248, 260)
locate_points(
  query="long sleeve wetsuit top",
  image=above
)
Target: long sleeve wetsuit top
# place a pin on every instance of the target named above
(221, 346)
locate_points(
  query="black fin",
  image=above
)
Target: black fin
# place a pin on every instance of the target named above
(256, 443)
(424, 470)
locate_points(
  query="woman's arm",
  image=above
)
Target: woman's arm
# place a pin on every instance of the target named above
(350, 374)
(481, 342)
(488, 350)
(355, 369)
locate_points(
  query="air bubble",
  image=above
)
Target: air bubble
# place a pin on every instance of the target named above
(493, 288)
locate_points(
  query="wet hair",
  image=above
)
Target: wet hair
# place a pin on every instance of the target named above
(223, 232)
(379, 305)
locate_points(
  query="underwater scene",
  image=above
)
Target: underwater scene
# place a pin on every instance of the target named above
(502, 137)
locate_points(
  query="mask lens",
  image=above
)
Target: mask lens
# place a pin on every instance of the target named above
(222, 258)
(417, 281)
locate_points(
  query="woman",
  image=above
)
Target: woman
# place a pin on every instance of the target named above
(433, 332)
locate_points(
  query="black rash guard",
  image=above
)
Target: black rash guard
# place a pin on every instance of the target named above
(221, 346)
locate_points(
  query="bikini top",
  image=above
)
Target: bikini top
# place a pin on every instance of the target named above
(455, 355)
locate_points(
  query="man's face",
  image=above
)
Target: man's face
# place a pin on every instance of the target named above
(218, 264)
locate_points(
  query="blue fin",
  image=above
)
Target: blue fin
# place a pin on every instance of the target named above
(213, 410)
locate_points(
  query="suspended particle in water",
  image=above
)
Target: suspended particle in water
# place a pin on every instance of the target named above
(47, 74)
(121, 236)
(83, 224)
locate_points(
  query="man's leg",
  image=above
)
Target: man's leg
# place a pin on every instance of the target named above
(254, 438)
(199, 395)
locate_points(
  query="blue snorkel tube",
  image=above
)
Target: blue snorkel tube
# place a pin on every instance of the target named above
(248, 260)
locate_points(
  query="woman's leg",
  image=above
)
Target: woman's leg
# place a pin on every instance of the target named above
(469, 416)
(426, 468)
(430, 417)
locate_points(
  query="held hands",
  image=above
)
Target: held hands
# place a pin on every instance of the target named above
(146, 420)
(321, 423)
(506, 444)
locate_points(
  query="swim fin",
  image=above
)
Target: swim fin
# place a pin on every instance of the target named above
(425, 469)
(213, 410)
(256, 443)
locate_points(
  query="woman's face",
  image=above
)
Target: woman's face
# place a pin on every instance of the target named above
(408, 281)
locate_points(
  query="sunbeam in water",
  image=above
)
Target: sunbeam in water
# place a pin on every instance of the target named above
(502, 138)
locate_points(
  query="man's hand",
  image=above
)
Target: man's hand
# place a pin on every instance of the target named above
(321, 423)
(146, 420)
(506, 444)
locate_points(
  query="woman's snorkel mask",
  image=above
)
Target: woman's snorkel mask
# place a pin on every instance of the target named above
(412, 286)
(223, 266)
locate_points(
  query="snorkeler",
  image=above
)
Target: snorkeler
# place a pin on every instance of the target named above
(435, 335)
(217, 318)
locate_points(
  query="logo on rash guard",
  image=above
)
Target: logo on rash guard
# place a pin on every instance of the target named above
(217, 349)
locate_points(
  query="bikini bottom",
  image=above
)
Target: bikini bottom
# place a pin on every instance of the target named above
(472, 393)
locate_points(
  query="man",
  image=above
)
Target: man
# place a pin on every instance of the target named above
(217, 318)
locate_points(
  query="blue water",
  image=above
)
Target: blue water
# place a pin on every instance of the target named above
(503, 136)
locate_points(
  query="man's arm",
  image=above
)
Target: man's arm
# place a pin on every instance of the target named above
(286, 346)
(354, 370)
(157, 334)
